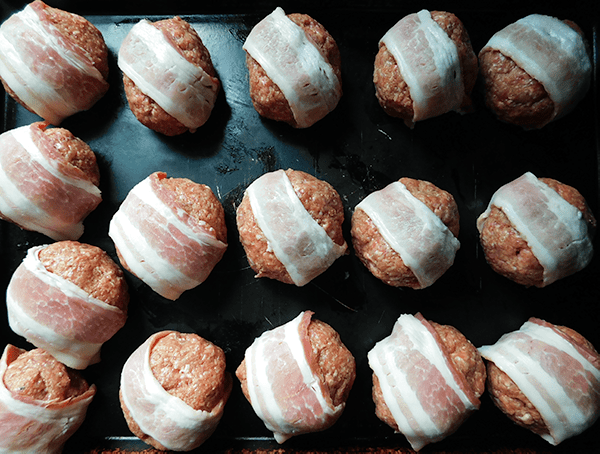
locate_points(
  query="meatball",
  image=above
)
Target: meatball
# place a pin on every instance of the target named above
(378, 255)
(391, 88)
(319, 199)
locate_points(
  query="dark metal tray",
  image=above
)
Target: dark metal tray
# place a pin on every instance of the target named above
(357, 149)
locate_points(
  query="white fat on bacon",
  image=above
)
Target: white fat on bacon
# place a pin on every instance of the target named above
(21, 207)
(166, 418)
(284, 390)
(428, 61)
(183, 90)
(554, 229)
(72, 350)
(141, 256)
(411, 366)
(412, 230)
(296, 239)
(295, 65)
(37, 426)
(41, 90)
(560, 378)
(552, 53)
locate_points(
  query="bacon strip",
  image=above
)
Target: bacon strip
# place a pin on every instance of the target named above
(428, 61)
(285, 392)
(183, 90)
(552, 53)
(428, 398)
(164, 417)
(56, 315)
(50, 74)
(560, 377)
(411, 229)
(43, 427)
(160, 243)
(296, 239)
(36, 191)
(554, 229)
(295, 65)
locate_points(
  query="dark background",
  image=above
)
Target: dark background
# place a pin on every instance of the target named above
(358, 149)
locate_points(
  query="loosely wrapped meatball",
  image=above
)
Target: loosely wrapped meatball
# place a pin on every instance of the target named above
(290, 224)
(406, 233)
(545, 378)
(295, 69)
(536, 231)
(53, 62)
(173, 391)
(68, 298)
(535, 70)
(48, 180)
(425, 67)
(298, 377)
(423, 373)
(170, 82)
(42, 402)
(170, 233)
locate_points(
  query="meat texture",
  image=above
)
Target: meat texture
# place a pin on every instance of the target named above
(535, 70)
(169, 78)
(405, 233)
(425, 67)
(173, 391)
(536, 231)
(42, 402)
(290, 224)
(294, 67)
(545, 378)
(170, 233)
(67, 298)
(427, 379)
(53, 62)
(297, 377)
(48, 180)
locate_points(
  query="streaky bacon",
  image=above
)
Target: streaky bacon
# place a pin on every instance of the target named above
(38, 191)
(559, 376)
(164, 417)
(28, 425)
(284, 389)
(56, 315)
(427, 397)
(160, 242)
(428, 61)
(47, 71)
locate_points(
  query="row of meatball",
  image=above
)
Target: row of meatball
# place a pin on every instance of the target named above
(427, 380)
(171, 232)
(55, 64)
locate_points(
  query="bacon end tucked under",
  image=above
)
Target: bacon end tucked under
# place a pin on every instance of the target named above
(428, 61)
(51, 74)
(293, 62)
(164, 417)
(164, 246)
(560, 377)
(284, 389)
(427, 397)
(56, 315)
(555, 230)
(39, 193)
(32, 426)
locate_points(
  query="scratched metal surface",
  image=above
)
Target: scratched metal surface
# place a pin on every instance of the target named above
(357, 149)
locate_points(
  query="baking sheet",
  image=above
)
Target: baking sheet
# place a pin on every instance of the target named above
(358, 149)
